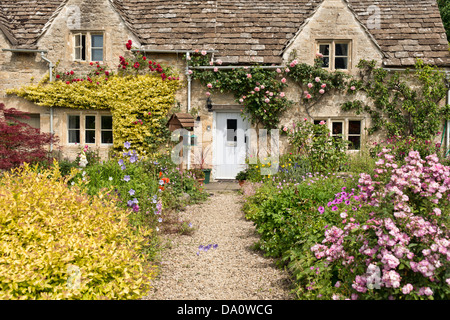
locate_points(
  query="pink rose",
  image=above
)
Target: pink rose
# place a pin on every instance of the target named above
(256, 89)
(323, 85)
(287, 70)
(283, 80)
(278, 70)
(203, 53)
(249, 75)
(317, 79)
(267, 100)
(322, 122)
(219, 62)
(208, 93)
(308, 96)
(321, 91)
(282, 94)
(285, 129)
(209, 85)
(352, 88)
(216, 69)
(310, 85)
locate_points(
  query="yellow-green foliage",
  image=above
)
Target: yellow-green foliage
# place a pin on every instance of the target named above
(130, 98)
(47, 227)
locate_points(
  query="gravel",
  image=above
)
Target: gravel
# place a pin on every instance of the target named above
(232, 271)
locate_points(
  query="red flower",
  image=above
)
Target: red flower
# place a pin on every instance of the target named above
(71, 72)
(67, 82)
(91, 63)
(144, 58)
(136, 65)
(58, 76)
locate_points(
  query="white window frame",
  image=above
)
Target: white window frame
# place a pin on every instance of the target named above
(105, 130)
(345, 129)
(88, 48)
(82, 129)
(332, 54)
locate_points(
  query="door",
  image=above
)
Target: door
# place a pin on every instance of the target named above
(230, 144)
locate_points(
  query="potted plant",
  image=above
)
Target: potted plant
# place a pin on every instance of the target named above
(200, 157)
(241, 177)
(199, 175)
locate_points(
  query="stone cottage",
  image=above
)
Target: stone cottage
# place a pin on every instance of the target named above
(37, 35)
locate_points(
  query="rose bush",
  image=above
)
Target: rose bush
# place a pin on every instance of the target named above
(393, 238)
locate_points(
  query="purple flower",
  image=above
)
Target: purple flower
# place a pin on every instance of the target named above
(334, 208)
(321, 209)
(123, 167)
(120, 162)
(131, 192)
(126, 178)
(215, 246)
(127, 144)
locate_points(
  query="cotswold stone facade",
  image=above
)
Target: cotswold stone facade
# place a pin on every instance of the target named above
(72, 33)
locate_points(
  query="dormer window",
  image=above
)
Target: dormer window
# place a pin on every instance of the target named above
(335, 54)
(88, 46)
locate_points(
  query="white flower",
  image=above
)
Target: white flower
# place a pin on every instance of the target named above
(110, 178)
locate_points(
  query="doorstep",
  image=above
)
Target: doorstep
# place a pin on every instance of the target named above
(222, 185)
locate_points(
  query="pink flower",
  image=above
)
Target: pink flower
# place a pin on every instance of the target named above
(287, 70)
(216, 69)
(323, 85)
(310, 85)
(321, 122)
(203, 52)
(305, 119)
(256, 89)
(267, 100)
(321, 91)
(293, 63)
(249, 75)
(209, 85)
(317, 79)
(308, 96)
(352, 88)
(219, 62)
(285, 129)
(319, 55)
(283, 80)
(278, 70)
(407, 288)
(241, 100)
(208, 93)
(282, 94)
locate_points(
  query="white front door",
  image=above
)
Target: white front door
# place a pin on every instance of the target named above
(230, 144)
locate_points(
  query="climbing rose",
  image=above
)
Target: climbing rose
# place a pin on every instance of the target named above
(283, 80)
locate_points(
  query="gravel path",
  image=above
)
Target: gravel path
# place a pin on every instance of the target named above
(232, 271)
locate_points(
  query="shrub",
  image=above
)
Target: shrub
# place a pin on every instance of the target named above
(49, 229)
(314, 143)
(19, 142)
(395, 241)
(285, 213)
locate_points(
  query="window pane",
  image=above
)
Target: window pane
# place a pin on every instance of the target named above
(83, 47)
(107, 137)
(325, 62)
(340, 63)
(77, 40)
(90, 122)
(97, 41)
(337, 128)
(107, 122)
(324, 49)
(77, 53)
(74, 136)
(74, 122)
(231, 130)
(97, 55)
(355, 142)
(354, 127)
(341, 49)
(90, 136)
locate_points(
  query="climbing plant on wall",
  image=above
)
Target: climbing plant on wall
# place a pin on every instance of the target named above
(402, 103)
(139, 96)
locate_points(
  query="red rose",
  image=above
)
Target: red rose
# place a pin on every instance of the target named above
(144, 58)
(71, 72)
(67, 82)
(58, 76)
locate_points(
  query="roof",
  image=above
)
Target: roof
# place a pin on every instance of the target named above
(245, 31)
(26, 20)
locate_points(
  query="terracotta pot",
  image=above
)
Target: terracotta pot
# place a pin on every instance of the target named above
(200, 180)
(241, 182)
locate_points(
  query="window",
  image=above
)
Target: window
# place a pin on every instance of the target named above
(90, 129)
(335, 54)
(349, 130)
(88, 47)
(74, 129)
(89, 133)
(231, 130)
(106, 129)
